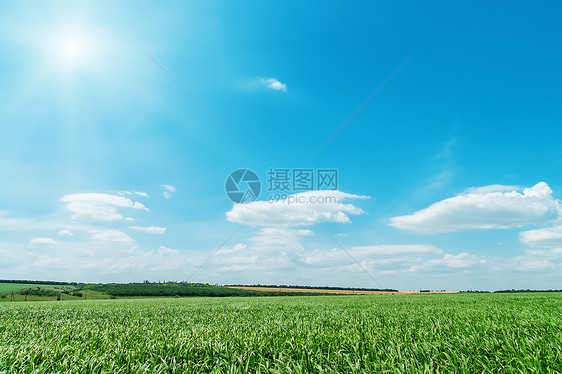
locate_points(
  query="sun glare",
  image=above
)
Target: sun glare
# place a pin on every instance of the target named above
(72, 50)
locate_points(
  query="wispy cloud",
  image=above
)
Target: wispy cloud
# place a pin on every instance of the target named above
(493, 188)
(42, 240)
(545, 238)
(451, 261)
(131, 193)
(168, 190)
(99, 206)
(149, 229)
(544, 243)
(66, 233)
(278, 239)
(274, 84)
(379, 254)
(112, 236)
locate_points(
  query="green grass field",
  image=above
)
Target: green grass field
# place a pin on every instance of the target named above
(514, 333)
(8, 288)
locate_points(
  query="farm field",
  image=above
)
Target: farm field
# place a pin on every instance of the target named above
(334, 291)
(385, 333)
(7, 288)
(74, 291)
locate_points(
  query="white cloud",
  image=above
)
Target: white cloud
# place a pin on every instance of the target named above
(43, 240)
(534, 265)
(149, 229)
(99, 206)
(168, 190)
(277, 246)
(544, 243)
(543, 238)
(551, 253)
(130, 193)
(166, 251)
(301, 209)
(462, 260)
(240, 258)
(283, 250)
(112, 236)
(377, 254)
(397, 249)
(9, 223)
(278, 239)
(274, 84)
(493, 188)
(484, 208)
(112, 260)
(65, 233)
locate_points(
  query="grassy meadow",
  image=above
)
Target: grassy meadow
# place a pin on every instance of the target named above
(8, 288)
(516, 333)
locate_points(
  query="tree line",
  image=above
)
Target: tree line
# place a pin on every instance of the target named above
(179, 289)
(314, 287)
(25, 281)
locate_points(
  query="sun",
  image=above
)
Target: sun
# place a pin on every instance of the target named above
(72, 50)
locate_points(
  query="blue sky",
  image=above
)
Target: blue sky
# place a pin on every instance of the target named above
(449, 161)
